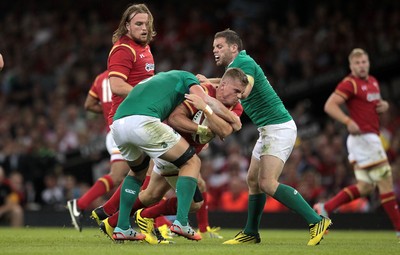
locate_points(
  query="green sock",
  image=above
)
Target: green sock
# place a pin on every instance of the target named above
(254, 213)
(185, 188)
(129, 193)
(293, 200)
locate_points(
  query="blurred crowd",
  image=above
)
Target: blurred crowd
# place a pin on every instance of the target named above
(53, 51)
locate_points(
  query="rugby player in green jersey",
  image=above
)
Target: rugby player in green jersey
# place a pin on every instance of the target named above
(276, 140)
(140, 134)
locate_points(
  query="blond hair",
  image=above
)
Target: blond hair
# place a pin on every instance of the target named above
(126, 17)
(357, 52)
(236, 74)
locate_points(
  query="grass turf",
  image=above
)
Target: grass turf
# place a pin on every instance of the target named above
(35, 240)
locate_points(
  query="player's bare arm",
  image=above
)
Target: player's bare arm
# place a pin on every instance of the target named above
(217, 107)
(180, 120)
(92, 104)
(1, 62)
(120, 87)
(332, 108)
(249, 87)
(204, 80)
(217, 124)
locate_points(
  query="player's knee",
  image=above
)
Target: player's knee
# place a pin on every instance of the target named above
(268, 186)
(365, 188)
(185, 157)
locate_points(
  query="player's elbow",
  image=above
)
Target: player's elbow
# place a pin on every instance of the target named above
(327, 107)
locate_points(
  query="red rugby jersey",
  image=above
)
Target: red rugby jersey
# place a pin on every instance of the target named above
(211, 91)
(101, 90)
(361, 97)
(130, 61)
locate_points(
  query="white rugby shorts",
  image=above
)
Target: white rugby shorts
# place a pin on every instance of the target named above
(137, 133)
(365, 150)
(276, 140)
(112, 148)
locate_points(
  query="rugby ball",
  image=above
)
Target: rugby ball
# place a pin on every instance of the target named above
(200, 119)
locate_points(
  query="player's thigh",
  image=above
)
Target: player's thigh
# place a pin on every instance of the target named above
(119, 169)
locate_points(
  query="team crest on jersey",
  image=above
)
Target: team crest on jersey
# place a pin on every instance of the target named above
(149, 67)
(364, 88)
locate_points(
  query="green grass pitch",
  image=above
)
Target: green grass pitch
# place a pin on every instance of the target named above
(35, 240)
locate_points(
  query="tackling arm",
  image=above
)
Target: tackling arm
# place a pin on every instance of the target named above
(218, 108)
(217, 124)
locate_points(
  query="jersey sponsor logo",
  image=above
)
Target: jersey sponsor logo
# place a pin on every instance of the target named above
(373, 96)
(141, 55)
(149, 67)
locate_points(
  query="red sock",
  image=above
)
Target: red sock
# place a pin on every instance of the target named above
(344, 196)
(112, 205)
(113, 219)
(145, 182)
(164, 207)
(137, 205)
(99, 188)
(202, 215)
(391, 207)
(162, 220)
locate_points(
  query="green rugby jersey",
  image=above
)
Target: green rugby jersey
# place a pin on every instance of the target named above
(263, 106)
(158, 95)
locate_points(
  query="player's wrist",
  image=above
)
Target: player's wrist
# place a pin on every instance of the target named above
(208, 110)
(347, 120)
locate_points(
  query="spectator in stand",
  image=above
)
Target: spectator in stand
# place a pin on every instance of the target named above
(10, 209)
(235, 198)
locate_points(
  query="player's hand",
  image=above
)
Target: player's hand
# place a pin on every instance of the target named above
(353, 128)
(202, 78)
(196, 101)
(382, 106)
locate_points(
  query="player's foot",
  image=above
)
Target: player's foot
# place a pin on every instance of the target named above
(165, 232)
(146, 226)
(75, 213)
(106, 228)
(320, 209)
(127, 235)
(317, 230)
(185, 231)
(98, 215)
(242, 238)
(160, 238)
(212, 233)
